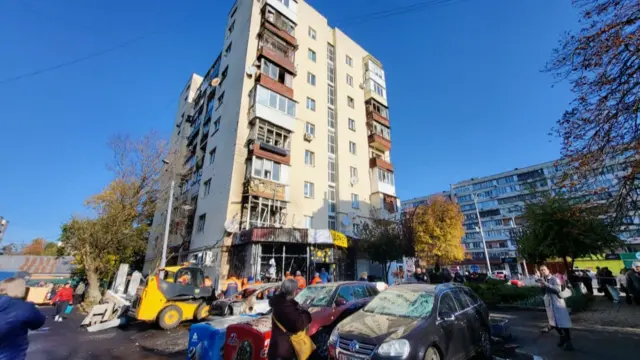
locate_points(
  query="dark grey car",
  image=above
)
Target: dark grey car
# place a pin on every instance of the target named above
(416, 321)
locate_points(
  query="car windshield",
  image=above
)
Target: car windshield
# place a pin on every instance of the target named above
(402, 303)
(316, 295)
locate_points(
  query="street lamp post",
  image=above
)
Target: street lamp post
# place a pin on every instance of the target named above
(163, 260)
(484, 242)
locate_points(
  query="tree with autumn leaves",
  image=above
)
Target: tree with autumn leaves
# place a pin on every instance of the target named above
(602, 63)
(123, 212)
(431, 232)
(40, 246)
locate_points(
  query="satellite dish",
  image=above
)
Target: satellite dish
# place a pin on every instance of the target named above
(251, 70)
(354, 180)
(215, 82)
(232, 224)
(346, 220)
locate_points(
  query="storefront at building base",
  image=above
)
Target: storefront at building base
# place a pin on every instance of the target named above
(271, 252)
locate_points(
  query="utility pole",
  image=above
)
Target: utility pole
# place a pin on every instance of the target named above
(167, 225)
(484, 243)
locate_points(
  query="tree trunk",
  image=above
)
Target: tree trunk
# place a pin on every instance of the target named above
(93, 290)
(566, 265)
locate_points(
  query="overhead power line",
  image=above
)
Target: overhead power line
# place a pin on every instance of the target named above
(400, 10)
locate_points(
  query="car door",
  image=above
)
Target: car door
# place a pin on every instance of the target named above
(361, 296)
(466, 310)
(453, 329)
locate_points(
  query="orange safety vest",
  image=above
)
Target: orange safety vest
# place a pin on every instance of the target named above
(316, 280)
(302, 283)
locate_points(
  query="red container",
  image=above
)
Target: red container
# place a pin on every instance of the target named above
(248, 341)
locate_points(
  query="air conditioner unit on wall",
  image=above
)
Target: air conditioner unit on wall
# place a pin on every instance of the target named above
(308, 137)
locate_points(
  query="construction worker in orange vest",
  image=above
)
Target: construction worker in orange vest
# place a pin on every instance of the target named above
(287, 275)
(316, 279)
(302, 283)
(230, 286)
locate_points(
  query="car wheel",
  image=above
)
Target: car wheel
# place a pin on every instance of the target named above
(485, 345)
(321, 339)
(432, 354)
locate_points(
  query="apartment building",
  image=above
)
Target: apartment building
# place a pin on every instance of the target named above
(499, 201)
(3, 227)
(288, 129)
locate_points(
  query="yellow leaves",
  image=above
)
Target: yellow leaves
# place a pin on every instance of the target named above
(438, 232)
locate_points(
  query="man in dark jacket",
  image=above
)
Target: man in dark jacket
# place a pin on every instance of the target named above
(633, 282)
(287, 313)
(17, 317)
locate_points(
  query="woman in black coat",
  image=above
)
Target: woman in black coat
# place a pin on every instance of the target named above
(286, 312)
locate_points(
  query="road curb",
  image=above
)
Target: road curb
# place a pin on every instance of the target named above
(520, 307)
(610, 329)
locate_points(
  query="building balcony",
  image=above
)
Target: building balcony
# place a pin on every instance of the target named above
(381, 163)
(283, 34)
(281, 112)
(270, 152)
(266, 189)
(379, 142)
(286, 8)
(274, 85)
(372, 115)
(277, 51)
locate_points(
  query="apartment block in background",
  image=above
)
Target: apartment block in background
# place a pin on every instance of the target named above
(288, 130)
(500, 201)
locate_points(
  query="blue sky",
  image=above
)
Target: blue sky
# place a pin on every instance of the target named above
(466, 94)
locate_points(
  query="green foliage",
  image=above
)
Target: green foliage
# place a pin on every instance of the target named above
(51, 249)
(383, 242)
(494, 292)
(557, 228)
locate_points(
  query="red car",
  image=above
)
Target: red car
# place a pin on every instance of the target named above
(328, 304)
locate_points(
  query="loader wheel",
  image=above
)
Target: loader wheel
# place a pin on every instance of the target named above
(202, 311)
(170, 317)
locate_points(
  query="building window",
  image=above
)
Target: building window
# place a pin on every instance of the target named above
(350, 102)
(309, 128)
(379, 109)
(266, 169)
(231, 27)
(311, 104)
(312, 55)
(227, 51)
(272, 135)
(332, 223)
(308, 189)
(309, 158)
(352, 124)
(332, 143)
(280, 21)
(353, 172)
(330, 73)
(352, 147)
(308, 222)
(331, 118)
(207, 187)
(276, 73)
(386, 177)
(331, 196)
(220, 100)
(330, 95)
(332, 170)
(223, 75)
(216, 126)
(356, 229)
(311, 79)
(349, 80)
(233, 12)
(212, 156)
(201, 220)
(312, 33)
(274, 100)
(349, 60)
(355, 201)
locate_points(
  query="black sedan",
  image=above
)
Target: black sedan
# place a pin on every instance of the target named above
(416, 321)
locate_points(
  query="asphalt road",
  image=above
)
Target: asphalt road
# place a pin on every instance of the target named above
(66, 340)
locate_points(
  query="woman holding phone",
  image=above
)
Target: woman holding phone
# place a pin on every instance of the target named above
(557, 312)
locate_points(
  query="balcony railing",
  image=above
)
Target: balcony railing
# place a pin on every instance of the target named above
(373, 115)
(381, 163)
(379, 142)
(270, 152)
(277, 51)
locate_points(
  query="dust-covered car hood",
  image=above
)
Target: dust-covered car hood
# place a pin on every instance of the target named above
(379, 328)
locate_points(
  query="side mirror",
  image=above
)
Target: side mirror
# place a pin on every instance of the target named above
(340, 302)
(447, 316)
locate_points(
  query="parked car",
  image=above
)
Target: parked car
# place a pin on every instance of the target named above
(254, 299)
(416, 321)
(328, 304)
(499, 274)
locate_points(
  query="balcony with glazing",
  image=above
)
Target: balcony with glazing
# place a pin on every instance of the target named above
(289, 8)
(377, 112)
(269, 105)
(275, 78)
(267, 179)
(278, 24)
(276, 50)
(379, 136)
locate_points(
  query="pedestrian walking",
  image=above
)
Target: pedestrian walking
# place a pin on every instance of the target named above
(622, 283)
(287, 319)
(17, 317)
(557, 312)
(633, 282)
(78, 294)
(63, 298)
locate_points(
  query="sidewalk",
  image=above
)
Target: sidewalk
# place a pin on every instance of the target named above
(604, 313)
